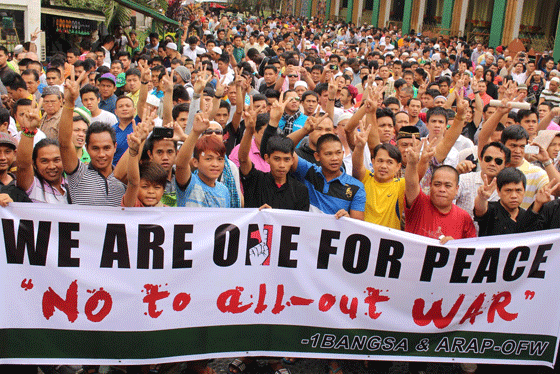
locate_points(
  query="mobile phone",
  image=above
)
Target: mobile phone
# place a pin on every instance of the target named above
(165, 132)
(531, 149)
(333, 67)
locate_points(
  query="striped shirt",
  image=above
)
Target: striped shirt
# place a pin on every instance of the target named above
(536, 178)
(553, 97)
(88, 187)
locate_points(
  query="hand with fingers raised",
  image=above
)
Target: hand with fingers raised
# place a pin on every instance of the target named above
(201, 123)
(72, 87)
(486, 190)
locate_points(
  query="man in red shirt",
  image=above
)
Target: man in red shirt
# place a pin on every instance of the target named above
(435, 216)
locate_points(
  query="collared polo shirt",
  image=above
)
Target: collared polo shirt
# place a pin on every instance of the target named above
(343, 192)
(122, 144)
(87, 186)
(108, 104)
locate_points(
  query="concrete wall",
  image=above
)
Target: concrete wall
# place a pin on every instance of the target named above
(32, 17)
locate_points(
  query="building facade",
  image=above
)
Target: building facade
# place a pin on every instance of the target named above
(492, 22)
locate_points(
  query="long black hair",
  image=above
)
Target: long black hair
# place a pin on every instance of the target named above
(40, 145)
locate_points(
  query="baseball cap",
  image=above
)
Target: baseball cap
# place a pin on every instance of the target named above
(108, 77)
(121, 79)
(84, 113)
(217, 50)
(7, 139)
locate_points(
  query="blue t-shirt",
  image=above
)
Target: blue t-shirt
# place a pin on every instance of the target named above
(199, 194)
(343, 192)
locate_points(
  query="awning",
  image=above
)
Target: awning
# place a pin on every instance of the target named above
(73, 13)
(147, 11)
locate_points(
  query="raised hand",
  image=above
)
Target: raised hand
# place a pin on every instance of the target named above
(361, 137)
(462, 106)
(486, 190)
(413, 153)
(145, 73)
(201, 123)
(72, 86)
(202, 80)
(333, 88)
(220, 87)
(32, 118)
(544, 194)
(277, 109)
(312, 121)
(250, 116)
(134, 140)
(35, 34)
(148, 123)
(543, 155)
(167, 81)
(465, 166)
(428, 150)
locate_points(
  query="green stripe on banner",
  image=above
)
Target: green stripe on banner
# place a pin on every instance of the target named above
(60, 344)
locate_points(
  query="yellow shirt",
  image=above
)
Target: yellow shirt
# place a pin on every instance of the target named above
(134, 97)
(384, 201)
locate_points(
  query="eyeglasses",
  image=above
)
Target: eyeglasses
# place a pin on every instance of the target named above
(497, 160)
(212, 131)
(292, 76)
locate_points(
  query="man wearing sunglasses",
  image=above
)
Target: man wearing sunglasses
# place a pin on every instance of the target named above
(494, 157)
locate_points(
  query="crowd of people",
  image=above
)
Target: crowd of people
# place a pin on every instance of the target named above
(407, 132)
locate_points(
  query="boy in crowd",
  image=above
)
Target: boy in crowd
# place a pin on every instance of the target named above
(201, 189)
(274, 189)
(146, 182)
(90, 99)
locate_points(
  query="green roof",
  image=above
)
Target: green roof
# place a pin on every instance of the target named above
(147, 11)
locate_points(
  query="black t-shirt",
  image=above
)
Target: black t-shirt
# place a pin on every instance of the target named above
(260, 188)
(17, 194)
(263, 87)
(550, 215)
(497, 221)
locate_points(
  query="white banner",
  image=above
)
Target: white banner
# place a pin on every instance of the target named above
(84, 285)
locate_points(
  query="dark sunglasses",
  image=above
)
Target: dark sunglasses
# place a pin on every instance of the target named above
(292, 76)
(498, 161)
(217, 132)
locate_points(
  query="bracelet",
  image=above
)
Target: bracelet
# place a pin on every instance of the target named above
(196, 96)
(219, 97)
(68, 107)
(146, 82)
(28, 132)
(130, 153)
(547, 163)
(331, 99)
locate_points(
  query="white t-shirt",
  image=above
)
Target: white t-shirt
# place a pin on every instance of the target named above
(105, 117)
